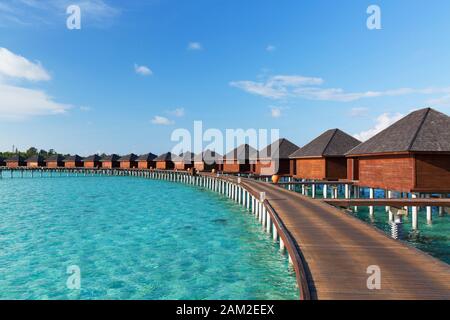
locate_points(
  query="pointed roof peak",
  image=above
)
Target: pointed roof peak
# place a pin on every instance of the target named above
(242, 152)
(279, 149)
(331, 143)
(423, 130)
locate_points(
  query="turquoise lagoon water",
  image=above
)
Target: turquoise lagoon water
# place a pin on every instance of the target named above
(133, 238)
(432, 238)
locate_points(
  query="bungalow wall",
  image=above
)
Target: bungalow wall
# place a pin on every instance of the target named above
(183, 166)
(432, 172)
(165, 165)
(128, 164)
(34, 164)
(391, 172)
(292, 168)
(110, 164)
(54, 164)
(313, 169)
(146, 164)
(91, 164)
(73, 164)
(14, 164)
(203, 166)
(336, 168)
(352, 169)
(235, 167)
(268, 168)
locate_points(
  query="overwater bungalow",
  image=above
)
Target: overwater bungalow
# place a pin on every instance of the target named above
(110, 161)
(274, 159)
(184, 161)
(146, 161)
(207, 161)
(165, 161)
(74, 161)
(54, 161)
(412, 155)
(92, 162)
(35, 161)
(129, 161)
(2, 162)
(238, 160)
(324, 157)
(15, 161)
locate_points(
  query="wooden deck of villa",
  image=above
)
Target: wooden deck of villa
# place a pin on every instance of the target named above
(337, 249)
(396, 203)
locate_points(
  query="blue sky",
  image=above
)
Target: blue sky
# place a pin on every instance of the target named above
(137, 70)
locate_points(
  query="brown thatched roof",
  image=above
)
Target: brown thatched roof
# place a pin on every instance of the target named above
(15, 158)
(75, 158)
(55, 158)
(112, 157)
(208, 156)
(169, 156)
(280, 149)
(332, 143)
(128, 157)
(425, 130)
(35, 158)
(242, 153)
(147, 157)
(92, 158)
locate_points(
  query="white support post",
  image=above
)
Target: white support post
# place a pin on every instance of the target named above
(282, 247)
(371, 196)
(269, 222)
(325, 191)
(388, 194)
(441, 209)
(347, 191)
(429, 212)
(415, 212)
(275, 232)
(264, 212)
(240, 195)
(313, 191)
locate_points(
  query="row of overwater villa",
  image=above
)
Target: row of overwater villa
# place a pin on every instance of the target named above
(410, 158)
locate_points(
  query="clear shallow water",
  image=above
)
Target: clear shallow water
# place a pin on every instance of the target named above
(133, 239)
(432, 238)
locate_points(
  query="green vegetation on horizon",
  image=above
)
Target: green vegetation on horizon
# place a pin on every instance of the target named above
(33, 152)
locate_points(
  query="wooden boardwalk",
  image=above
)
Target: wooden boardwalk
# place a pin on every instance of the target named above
(337, 249)
(397, 203)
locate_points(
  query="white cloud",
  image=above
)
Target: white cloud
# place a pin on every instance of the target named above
(271, 48)
(19, 103)
(195, 46)
(295, 86)
(159, 120)
(358, 112)
(275, 87)
(441, 101)
(16, 66)
(381, 122)
(179, 112)
(275, 112)
(142, 70)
